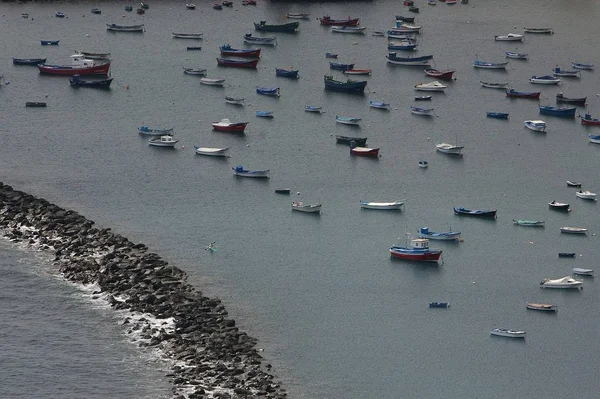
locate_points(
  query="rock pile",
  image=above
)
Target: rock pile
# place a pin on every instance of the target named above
(211, 357)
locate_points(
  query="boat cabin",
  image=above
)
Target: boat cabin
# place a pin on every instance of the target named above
(420, 243)
(79, 60)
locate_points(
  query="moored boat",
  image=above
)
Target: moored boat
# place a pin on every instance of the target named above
(331, 55)
(49, 42)
(28, 61)
(529, 223)
(489, 65)
(588, 120)
(264, 40)
(226, 62)
(440, 74)
(558, 111)
(79, 66)
(35, 104)
(364, 151)
(356, 141)
(587, 195)
(516, 56)
(212, 151)
(349, 29)
(566, 73)
(439, 304)
(340, 66)
(422, 111)
(560, 206)
(313, 108)
(181, 35)
(95, 56)
(283, 190)
(260, 174)
(234, 100)
(264, 114)
(511, 37)
(212, 81)
(423, 164)
(539, 30)
(379, 104)
(541, 306)
(147, 131)
(431, 86)
(194, 48)
(544, 80)
(287, 73)
(350, 86)
(392, 58)
(497, 115)
(424, 232)
(449, 148)
(389, 206)
(522, 94)
(96, 11)
(571, 183)
(291, 15)
(583, 272)
(124, 28)
(353, 71)
(163, 141)
(560, 98)
(423, 98)
(579, 65)
(229, 51)
(594, 138)
(76, 81)
(405, 45)
(195, 71)
(268, 91)
(300, 206)
(287, 28)
(504, 332)
(573, 230)
(227, 126)
(481, 213)
(566, 254)
(536, 125)
(566, 282)
(328, 21)
(346, 120)
(418, 251)
(492, 85)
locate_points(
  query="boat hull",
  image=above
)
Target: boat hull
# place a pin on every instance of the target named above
(232, 127)
(488, 214)
(285, 28)
(73, 70)
(356, 141)
(415, 255)
(237, 64)
(409, 61)
(391, 206)
(365, 152)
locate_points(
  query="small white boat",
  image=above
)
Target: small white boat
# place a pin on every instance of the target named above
(449, 148)
(187, 35)
(573, 230)
(511, 37)
(344, 120)
(308, 208)
(562, 206)
(423, 164)
(516, 56)
(424, 232)
(163, 141)
(503, 332)
(529, 223)
(291, 15)
(212, 82)
(212, 152)
(536, 125)
(422, 111)
(194, 71)
(348, 29)
(588, 195)
(432, 86)
(234, 101)
(313, 108)
(544, 80)
(379, 104)
(538, 30)
(492, 85)
(404, 27)
(395, 205)
(566, 282)
(583, 272)
(541, 306)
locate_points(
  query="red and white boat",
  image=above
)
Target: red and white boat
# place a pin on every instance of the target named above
(418, 251)
(588, 120)
(237, 63)
(79, 66)
(365, 71)
(326, 20)
(443, 75)
(227, 126)
(365, 151)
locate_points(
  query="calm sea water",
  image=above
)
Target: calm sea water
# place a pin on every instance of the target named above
(335, 315)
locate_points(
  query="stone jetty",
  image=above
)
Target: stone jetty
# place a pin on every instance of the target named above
(210, 356)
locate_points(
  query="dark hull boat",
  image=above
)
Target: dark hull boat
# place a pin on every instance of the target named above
(76, 81)
(237, 63)
(558, 111)
(28, 61)
(475, 212)
(229, 51)
(357, 141)
(560, 98)
(328, 21)
(287, 28)
(340, 67)
(286, 73)
(522, 94)
(35, 104)
(350, 86)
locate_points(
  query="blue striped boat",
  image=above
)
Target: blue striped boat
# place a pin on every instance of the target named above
(287, 73)
(497, 115)
(266, 91)
(264, 114)
(558, 111)
(340, 67)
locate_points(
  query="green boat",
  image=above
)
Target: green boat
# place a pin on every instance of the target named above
(128, 8)
(289, 27)
(530, 223)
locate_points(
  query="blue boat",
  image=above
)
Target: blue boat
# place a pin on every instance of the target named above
(60, 14)
(407, 45)
(518, 56)
(264, 114)
(579, 65)
(350, 86)
(49, 42)
(491, 213)
(288, 28)
(379, 104)
(76, 81)
(287, 73)
(396, 34)
(331, 55)
(392, 58)
(266, 40)
(313, 108)
(558, 111)
(267, 91)
(489, 65)
(439, 305)
(340, 67)
(443, 235)
(497, 115)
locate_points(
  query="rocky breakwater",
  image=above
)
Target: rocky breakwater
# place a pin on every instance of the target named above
(210, 356)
